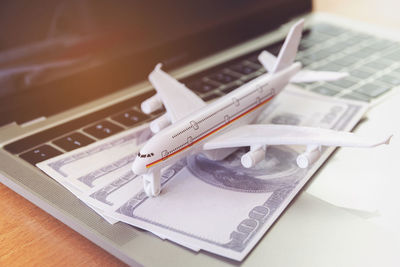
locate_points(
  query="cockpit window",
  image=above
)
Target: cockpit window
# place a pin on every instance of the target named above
(145, 155)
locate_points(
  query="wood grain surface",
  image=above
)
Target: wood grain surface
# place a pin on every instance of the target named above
(31, 237)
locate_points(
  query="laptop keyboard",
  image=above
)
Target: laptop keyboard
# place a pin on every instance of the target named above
(373, 65)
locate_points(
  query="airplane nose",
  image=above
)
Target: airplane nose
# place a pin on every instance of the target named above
(137, 167)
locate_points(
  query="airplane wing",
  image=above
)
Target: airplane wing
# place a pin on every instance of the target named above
(272, 134)
(178, 100)
(304, 76)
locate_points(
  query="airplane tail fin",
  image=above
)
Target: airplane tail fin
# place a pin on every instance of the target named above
(288, 52)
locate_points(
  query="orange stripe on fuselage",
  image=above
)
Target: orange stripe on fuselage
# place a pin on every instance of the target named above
(210, 133)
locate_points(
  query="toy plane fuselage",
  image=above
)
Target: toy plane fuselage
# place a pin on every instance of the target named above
(241, 106)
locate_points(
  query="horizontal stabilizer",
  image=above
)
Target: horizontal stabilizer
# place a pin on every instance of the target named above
(268, 61)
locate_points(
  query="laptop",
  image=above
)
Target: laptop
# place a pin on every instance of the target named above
(82, 68)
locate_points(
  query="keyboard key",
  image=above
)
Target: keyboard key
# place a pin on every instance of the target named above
(338, 47)
(103, 129)
(329, 29)
(356, 96)
(346, 61)
(364, 52)
(318, 55)
(262, 71)
(73, 141)
(230, 88)
(254, 59)
(395, 72)
(378, 64)
(324, 90)
(243, 69)
(130, 117)
(305, 61)
(373, 90)
(363, 36)
(248, 78)
(306, 85)
(40, 154)
(330, 67)
(223, 78)
(343, 83)
(392, 80)
(316, 36)
(381, 44)
(158, 112)
(393, 56)
(201, 86)
(361, 73)
(351, 41)
(211, 96)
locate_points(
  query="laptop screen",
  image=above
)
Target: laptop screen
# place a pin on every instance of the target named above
(58, 54)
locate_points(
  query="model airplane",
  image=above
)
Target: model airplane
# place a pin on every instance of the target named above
(217, 129)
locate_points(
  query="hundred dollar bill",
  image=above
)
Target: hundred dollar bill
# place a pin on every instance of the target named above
(217, 206)
(87, 168)
(224, 208)
(100, 168)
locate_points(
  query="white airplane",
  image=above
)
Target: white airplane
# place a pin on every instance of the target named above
(217, 129)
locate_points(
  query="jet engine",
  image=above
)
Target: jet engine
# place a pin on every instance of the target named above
(254, 156)
(307, 158)
(160, 123)
(151, 104)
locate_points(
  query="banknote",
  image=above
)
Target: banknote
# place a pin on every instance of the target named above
(86, 168)
(217, 206)
(100, 169)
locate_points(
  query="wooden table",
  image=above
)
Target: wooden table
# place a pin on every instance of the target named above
(30, 236)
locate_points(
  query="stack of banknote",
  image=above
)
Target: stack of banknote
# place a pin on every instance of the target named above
(217, 206)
